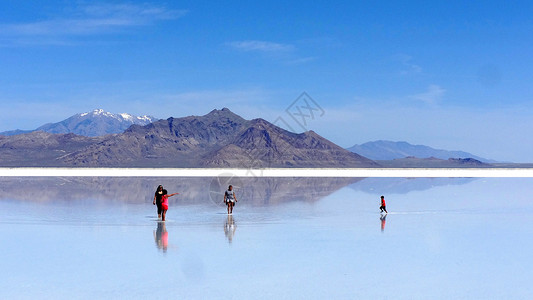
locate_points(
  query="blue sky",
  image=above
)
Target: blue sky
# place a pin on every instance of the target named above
(446, 74)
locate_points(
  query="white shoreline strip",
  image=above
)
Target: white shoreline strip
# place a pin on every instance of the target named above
(275, 172)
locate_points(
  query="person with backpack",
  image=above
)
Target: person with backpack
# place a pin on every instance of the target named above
(230, 199)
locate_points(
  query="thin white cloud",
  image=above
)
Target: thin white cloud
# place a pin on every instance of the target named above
(408, 66)
(129, 10)
(86, 20)
(432, 95)
(260, 46)
(283, 53)
(301, 60)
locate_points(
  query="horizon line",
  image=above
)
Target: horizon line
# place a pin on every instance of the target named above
(266, 172)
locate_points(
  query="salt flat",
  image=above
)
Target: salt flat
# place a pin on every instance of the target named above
(443, 239)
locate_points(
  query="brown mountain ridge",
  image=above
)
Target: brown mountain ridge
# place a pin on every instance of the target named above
(217, 139)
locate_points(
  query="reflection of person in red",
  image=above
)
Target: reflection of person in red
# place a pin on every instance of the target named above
(383, 219)
(161, 236)
(164, 239)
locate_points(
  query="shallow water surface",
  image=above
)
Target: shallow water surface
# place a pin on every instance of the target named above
(287, 239)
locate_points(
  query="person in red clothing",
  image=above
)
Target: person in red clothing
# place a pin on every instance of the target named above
(383, 207)
(164, 203)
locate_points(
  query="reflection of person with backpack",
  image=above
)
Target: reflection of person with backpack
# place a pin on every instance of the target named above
(383, 207)
(164, 203)
(230, 199)
(229, 228)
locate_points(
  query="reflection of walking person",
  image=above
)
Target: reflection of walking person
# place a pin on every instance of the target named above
(383, 207)
(229, 228)
(164, 203)
(230, 199)
(161, 236)
(157, 200)
(383, 219)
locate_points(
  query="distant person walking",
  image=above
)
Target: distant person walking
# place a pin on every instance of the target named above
(383, 206)
(164, 203)
(230, 199)
(157, 200)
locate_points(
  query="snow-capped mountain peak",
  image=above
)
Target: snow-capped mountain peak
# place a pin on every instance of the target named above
(126, 116)
(94, 123)
(120, 116)
(97, 122)
(146, 118)
(99, 111)
(96, 112)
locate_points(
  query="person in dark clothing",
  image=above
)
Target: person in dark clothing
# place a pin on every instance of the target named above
(157, 200)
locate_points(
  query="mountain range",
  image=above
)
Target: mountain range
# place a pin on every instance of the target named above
(389, 150)
(217, 139)
(95, 123)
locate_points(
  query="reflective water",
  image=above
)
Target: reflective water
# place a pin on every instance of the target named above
(289, 238)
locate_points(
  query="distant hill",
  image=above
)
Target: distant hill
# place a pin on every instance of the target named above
(388, 150)
(217, 139)
(432, 162)
(95, 123)
(15, 132)
(40, 149)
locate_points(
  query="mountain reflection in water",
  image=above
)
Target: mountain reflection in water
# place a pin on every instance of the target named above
(257, 191)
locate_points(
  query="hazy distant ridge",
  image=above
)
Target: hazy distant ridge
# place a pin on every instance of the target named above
(388, 150)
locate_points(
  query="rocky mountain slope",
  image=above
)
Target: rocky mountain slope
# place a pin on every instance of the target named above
(263, 144)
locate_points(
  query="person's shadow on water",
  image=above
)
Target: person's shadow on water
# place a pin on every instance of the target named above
(383, 219)
(229, 228)
(161, 236)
